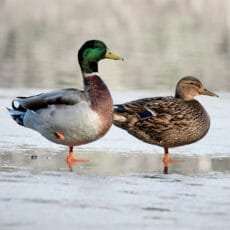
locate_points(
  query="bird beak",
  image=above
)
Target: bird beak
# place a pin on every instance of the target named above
(113, 56)
(207, 92)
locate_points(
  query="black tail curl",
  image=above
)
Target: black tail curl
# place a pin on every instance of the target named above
(18, 107)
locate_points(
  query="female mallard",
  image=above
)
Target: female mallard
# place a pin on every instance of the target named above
(70, 116)
(167, 121)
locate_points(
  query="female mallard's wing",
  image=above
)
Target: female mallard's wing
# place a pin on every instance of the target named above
(152, 114)
(62, 96)
(164, 121)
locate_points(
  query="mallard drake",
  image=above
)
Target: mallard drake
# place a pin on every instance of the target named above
(167, 121)
(71, 116)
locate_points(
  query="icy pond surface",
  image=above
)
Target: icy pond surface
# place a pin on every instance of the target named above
(122, 186)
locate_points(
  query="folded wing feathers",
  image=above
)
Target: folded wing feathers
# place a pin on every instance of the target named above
(63, 96)
(148, 111)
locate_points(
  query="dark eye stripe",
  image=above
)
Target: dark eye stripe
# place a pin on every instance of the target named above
(193, 83)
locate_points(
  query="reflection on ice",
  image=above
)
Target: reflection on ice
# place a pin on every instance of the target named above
(111, 163)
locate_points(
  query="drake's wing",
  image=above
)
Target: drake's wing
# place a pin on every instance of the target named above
(56, 97)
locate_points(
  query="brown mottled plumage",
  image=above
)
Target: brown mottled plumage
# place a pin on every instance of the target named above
(167, 121)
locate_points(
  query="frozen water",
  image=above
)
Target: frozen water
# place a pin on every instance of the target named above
(122, 186)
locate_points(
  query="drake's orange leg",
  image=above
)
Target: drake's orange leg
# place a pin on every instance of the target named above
(71, 160)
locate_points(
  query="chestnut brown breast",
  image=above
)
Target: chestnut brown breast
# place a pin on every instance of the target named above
(101, 101)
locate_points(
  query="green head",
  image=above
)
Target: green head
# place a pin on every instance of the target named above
(91, 53)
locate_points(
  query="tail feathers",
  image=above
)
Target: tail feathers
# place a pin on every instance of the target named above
(17, 115)
(123, 118)
(119, 108)
(118, 116)
(17, 106)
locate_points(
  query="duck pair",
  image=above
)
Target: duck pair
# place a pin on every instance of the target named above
(74, 117)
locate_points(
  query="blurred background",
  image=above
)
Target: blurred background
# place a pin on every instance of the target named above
(160, 40)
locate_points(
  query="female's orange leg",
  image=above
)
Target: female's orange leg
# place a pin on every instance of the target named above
(166, 160)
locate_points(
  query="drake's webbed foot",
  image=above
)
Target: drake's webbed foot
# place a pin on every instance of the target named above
(71, 160)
